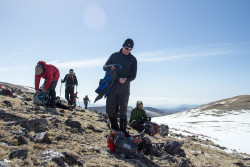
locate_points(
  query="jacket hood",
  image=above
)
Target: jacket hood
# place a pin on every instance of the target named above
(138, 102)
(43, 63)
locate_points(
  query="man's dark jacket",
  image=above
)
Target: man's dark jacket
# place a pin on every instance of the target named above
(128, 63)
(70, 79)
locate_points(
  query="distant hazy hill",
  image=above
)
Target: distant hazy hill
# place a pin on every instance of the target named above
(152, 112)
(180, 108)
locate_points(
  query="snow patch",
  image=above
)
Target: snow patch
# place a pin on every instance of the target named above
(230, 130)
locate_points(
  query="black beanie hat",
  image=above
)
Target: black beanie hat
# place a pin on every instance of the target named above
(129, 43)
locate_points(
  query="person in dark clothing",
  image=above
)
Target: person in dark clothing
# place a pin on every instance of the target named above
(121, 87)
(71, 81)
(51, 75)
(86, 100)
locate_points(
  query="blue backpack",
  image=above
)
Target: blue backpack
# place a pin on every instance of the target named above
(40, 99)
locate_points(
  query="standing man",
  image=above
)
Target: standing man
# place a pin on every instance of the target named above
(51, 75)
(71, 81)
(86, 100)
(121, 88)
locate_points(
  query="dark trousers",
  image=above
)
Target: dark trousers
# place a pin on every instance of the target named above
(137, 126)
(86, 105)
(118, 94)
(69, 94)
(52, 93)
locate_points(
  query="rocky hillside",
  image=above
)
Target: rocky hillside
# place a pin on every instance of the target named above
(227, 105)
(32, 136)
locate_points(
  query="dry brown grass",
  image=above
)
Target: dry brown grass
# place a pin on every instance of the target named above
(91, 147)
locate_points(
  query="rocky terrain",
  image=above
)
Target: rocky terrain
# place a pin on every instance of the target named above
(32, 136)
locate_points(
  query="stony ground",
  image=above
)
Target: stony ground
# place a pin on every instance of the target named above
(80, 136)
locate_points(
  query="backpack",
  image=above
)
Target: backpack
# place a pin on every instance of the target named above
(41, 98)
(5, 91)
(152, 127)
(117, 142)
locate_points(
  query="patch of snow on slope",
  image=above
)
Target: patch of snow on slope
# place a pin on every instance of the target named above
(228, 130)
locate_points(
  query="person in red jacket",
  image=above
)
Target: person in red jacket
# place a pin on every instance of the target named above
(51, 75)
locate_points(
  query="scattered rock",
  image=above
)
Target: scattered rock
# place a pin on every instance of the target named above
(184, 163)
(74, 124)
(37, 125)
(71, 160)
(7, 103)
(3, 144)
(41, 138)
(4, 164)
(59, 158)
(20, 154)
(21, 131)
(172, 147)
(9, 117)
(51, 155)
(21, 140)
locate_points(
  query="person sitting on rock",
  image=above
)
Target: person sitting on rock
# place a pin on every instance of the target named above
(138, 117)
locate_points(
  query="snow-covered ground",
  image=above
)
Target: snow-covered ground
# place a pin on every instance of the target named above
(231, 130)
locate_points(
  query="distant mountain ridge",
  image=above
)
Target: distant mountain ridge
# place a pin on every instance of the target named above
(150, 111)
(236, 103)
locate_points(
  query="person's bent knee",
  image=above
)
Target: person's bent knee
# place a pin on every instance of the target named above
(134, 124)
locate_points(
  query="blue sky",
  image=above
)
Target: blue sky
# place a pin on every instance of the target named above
(188, 52)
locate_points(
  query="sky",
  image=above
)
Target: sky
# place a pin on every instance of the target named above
(188, 52)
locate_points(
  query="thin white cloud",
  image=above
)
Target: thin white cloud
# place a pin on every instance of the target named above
(80, 63)
(17, 54)
(181, 54)
(155, 56)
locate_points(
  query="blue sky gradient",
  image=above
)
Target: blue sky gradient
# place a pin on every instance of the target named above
(188, 52)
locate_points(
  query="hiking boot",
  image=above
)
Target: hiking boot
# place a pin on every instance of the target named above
(114, 124)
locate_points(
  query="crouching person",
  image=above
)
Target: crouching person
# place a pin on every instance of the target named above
(51, 75)
(140, 121)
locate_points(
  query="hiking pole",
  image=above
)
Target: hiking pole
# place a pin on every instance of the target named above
(60, 89)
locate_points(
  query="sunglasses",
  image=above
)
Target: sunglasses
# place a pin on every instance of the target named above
(128, 48)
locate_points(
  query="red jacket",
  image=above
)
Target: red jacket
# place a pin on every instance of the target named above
(50, 74)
